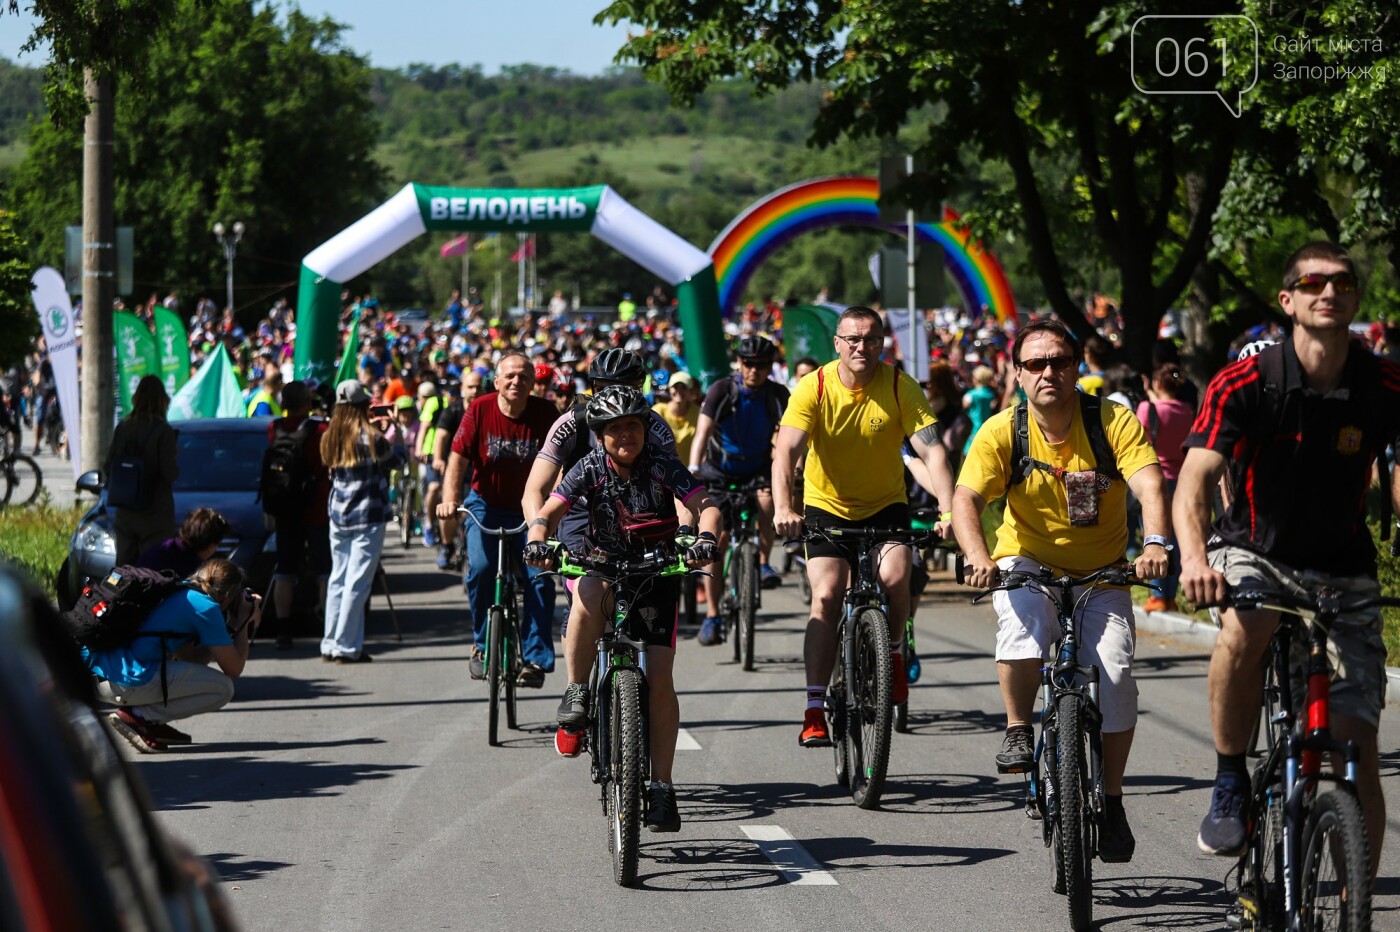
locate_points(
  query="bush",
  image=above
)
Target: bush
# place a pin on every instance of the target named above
(35, 539)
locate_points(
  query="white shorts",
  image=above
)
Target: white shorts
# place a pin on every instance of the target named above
(1028, 626)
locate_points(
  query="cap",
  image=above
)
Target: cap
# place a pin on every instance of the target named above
(439, 355)
(402, 402)
(682, 378)
(351, 392)
(426, 389)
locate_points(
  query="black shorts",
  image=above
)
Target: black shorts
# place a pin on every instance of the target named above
(658, 605)
(896, 515)
(717, 481)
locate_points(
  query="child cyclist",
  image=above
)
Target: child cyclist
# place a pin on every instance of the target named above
(631, 489)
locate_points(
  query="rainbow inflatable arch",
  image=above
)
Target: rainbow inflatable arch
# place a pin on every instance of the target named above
(773, 222)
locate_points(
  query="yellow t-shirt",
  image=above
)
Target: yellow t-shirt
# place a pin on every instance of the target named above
(1036, 523)
(684, 428)
(853, 464)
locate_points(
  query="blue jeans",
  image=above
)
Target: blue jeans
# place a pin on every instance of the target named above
(354, 560)
(537, 629)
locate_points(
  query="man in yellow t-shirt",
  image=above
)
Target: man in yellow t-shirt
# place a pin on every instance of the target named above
(856, 413)
(1038, 531)
(680, 412)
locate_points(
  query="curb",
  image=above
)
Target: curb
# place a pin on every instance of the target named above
(1188, 629)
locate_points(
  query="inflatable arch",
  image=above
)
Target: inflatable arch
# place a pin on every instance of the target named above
(416, 209)
(773, 222)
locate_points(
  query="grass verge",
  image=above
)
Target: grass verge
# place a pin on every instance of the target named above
(35, 539)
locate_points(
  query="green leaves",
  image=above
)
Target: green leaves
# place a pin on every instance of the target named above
(19, 324)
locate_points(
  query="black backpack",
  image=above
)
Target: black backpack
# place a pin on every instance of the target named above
(1105, 463)
(775, 398)
(110, 611)
(285, 480)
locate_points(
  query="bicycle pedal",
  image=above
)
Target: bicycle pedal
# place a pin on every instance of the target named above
(1013, 768)
(1033, 812)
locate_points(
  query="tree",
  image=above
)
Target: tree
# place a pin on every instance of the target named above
(19, 325)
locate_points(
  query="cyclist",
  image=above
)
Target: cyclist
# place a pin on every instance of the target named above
(432, 400)
(500, 433)
(449, 418)
(630, 487)
(733, 444)
(1068, 511)
(856, 411)
(1298, 426)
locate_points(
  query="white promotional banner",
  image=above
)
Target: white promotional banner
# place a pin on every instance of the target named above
(914, 348)
(61, 336)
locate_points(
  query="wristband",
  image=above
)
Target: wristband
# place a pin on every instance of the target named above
(539, 522)
(946, 516)
(1159, 540)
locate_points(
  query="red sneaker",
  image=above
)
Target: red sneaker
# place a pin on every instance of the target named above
(899, 680)
(814, 733)
(133, 728)
(568, 743)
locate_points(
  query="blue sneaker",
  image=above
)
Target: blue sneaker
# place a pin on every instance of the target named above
(711, 632)
(768, 577)
(915, 668)
(430, 539)
(1222, 830)
(445, 557)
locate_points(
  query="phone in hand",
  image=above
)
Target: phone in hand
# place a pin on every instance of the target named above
(381, 411)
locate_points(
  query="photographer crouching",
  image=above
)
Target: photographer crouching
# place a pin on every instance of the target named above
(162, 673)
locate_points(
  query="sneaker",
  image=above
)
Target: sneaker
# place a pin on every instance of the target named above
(916, 669)
(165, 734)
(568, 742)
(446, 558)
(1017, 751)
(430, 538)
(768, 578)
(1222, 830)
(899, 683)
(362, 657)
(711, 632)
(531, 676)
(477, 665)
(573, 710)
(663, 815)
(1116, 841)
(133, 728)
(814, 732)
(1159, 604)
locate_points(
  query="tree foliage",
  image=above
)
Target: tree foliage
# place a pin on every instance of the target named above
(19, 324)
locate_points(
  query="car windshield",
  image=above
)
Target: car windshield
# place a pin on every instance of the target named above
(219, 461)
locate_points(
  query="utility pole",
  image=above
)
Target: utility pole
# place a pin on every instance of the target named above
(99, 270)
(909, 222)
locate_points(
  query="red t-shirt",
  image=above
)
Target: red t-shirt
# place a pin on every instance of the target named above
(501, 449)
(314, 515)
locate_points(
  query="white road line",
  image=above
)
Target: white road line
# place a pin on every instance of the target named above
(685, 741)
(798, 867)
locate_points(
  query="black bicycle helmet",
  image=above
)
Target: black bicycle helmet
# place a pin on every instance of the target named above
(756, 348)
(615, 402)
(616, 364)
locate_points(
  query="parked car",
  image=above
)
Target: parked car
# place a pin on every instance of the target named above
(417, 318)
(220, 462)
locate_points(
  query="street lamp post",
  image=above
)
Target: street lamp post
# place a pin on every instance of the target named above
(230, 244)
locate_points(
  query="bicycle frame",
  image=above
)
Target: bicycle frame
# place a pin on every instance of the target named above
(507, 565)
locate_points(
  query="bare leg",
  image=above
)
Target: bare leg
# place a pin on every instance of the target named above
(896, 561)
(585, 627)
(665, 711)
(1115, 760)
(828, 577)
(1236, 686)
(1019, 680)
(1368, 779)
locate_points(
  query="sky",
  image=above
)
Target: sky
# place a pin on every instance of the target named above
(397, 33)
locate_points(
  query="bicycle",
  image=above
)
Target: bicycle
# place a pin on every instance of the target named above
(502, 654)
(742, 597)
(618, 731)
(921, 520)
(405, 504)
(858, 711)
(1296, 831)
(1065, 792)
(23, 480)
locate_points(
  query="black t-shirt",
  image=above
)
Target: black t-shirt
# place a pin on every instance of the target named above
(1300, 460)
(449, 419)
(657, 479)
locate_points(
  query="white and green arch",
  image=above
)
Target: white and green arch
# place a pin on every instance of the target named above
(417, 209)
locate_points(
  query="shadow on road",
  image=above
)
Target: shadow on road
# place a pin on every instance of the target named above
(868, 854)
(950, 793)
(194, 783)
(719, 802)
(941, 723)
(1162, 785)
(231, 869)
(1162, 902)
(705, 866)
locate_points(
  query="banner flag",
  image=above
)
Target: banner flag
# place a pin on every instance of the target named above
(349, 356)
(456, 247)
(137, 356)
(910, 333)
(174, 348)
(55, 311)
(809, 330)
(212, 392)
(526, 250)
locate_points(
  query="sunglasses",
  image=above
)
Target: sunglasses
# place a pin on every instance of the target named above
(1056, 363)
(1315, 282)
(853, 341)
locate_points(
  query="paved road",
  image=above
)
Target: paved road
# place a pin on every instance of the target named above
(366, 797)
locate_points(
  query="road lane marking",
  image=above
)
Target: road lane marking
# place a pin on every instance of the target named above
(685, 741)
(798, 867)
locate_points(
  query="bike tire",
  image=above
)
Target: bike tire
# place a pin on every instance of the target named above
(511, 657)
(901, 718)
(804, 585)
(629, 764)
(1073, 842)
(23, 481)
(868, 712)
(1261, 897)
(405, 508)
(836, 724)
(748, 604)
(1335, 834)
(495, 627)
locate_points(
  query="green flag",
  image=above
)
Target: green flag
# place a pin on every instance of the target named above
(349, 357)
(212, 392)
(137, 356)
(809, 331)
(174, 349)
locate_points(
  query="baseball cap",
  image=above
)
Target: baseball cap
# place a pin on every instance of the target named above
(426, 389)
(351, 392)
(682, 378)
(402, 402)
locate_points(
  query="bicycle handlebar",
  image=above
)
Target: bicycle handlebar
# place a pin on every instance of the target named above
(1117, 574)
(576, 566)
(1317, 601)
(492, 531)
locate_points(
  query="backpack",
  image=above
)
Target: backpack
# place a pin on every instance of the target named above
(1105, 463)
(285, 480)
(774, 399)
(128, 486)
(110, 611)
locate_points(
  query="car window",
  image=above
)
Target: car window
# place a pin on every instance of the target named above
(220, 461)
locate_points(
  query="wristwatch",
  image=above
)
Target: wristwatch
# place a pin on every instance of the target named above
(1160, 541)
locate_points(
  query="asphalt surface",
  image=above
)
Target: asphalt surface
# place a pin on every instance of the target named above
(366, 796)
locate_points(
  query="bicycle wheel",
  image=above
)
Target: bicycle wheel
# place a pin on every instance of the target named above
(628, 765)
(23, 480)
(748, 603)
(901, 711)
(1261, 887)
(405, 509)
(868, 709)
(804, 585)
(1073, 832)
(511, 659)
(836, 719)
(495, 628)
(1335, 892)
